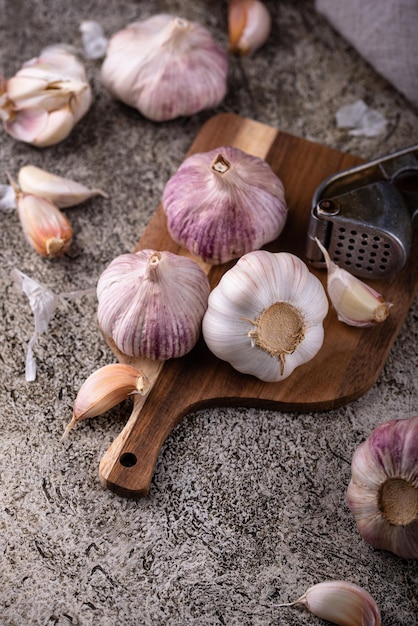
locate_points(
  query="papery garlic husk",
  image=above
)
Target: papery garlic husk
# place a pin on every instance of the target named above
(249, 25)
(383, 491)
(340, 602)
(224, 203)
(355, 302)
(104, 389)
(46, 98)
(151, 303)
(265, 317)
(63, 192)
(165, 66)
(45, 227)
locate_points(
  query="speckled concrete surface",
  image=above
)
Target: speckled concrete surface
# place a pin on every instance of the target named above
(247, 507)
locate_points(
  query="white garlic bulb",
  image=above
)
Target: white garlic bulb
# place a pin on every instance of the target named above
(151, 303)
(265, 317)
(46, 98)
(165, 66)
(383, 491)
(224, 203)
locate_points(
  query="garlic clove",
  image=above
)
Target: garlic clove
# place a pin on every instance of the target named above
(45, 227)
(383, 490)
(151, 303)
(165, 66)
(265, 317)
(104, 389)
(355, 303)
(224, 203)
(63, 192)
(340, 602)
(249, 25)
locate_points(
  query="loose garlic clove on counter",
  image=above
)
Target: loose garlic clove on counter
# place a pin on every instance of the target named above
(355, 303)
(151, 303)
(104, 389)
(224, 203)
(340, 602)
(165, 66)
(63, 192)
(383, 491)
(265, 317)
(249, 25)
(46, 98)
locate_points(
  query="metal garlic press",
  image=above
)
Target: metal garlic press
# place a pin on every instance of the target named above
(364, 216)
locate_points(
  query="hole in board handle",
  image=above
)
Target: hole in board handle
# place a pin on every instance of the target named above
(128, 459)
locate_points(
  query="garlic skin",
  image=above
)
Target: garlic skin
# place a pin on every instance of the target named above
(383, 491)
(224, 203)
(151, 303)
(104, 389)
(355, 303)
(265, 317)
(63, 192)
(249, 25)
(46, 98)
(340, 602)
(166, 67)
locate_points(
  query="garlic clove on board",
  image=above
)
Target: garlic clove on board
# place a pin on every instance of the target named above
(249, 25)
(151, 303)
(355, 303)
(340, 602)
(265, 317)
(383, 490)
(104, 389)
(63, 192)
(165, 66)
(224, 203)
(46, 98)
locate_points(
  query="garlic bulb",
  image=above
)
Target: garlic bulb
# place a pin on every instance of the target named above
(104, 389)
(166, 67)
(224, 203)
(340, 602)
(383, 491)
(265, 316)
(249, 25)
(42, 103)
(151, 303)
(355, 303)
(63, 192)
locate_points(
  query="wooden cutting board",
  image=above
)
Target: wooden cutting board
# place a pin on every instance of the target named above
(347, 365)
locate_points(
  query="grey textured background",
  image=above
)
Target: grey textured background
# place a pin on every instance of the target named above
(247, 507)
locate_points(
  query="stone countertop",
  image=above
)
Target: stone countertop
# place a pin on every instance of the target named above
(247, 506)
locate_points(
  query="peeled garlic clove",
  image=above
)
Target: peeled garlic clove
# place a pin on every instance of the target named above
(224, 203)
(104, 389)
(383, 491)
(340, 602)
(355, 303)
(165, 66)
(249, 25)
(63, 192)
(42, 103)
(151, 303)
(265, 316)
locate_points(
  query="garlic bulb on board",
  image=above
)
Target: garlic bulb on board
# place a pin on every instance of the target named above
(151, 303)
(249, 25)
(383, 491)
(265, 316)
(224, 203)
(355, 303)
(46, 98)
(63, 192)
(165, 66)
(340, 602)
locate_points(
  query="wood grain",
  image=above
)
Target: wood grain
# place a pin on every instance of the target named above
(347, 365)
